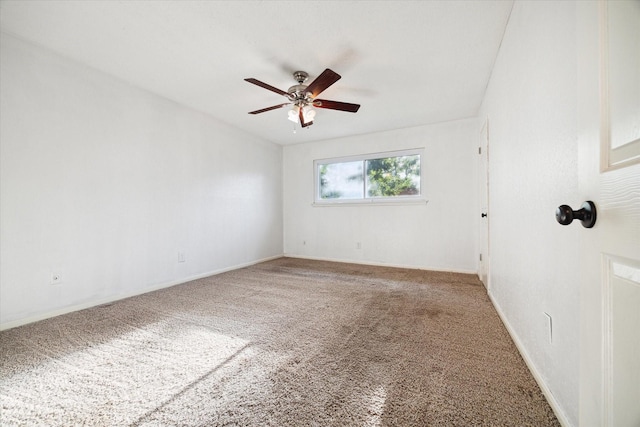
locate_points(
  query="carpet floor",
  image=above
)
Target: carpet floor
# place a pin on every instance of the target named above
(288, 342)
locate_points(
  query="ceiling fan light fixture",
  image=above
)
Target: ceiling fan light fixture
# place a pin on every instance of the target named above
(308, 113)
(293, 114)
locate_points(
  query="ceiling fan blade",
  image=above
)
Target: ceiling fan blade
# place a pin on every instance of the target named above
(304, 125)
(275, 107)
(266, 86)
(323, 81)
(336, 105)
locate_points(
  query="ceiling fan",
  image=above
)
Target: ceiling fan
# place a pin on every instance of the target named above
(303, 97)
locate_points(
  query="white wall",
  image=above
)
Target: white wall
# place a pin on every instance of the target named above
(438, 235)
(531, 107)
(104, 184)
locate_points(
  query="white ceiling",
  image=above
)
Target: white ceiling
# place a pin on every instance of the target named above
(408, 63)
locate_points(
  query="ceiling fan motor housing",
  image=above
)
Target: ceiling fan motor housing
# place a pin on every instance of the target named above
(298, 93)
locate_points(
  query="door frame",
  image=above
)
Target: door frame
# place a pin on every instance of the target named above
(484, 262)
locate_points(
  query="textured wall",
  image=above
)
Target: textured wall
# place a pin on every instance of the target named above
(438, 235)
(531, 108)
(105, 184)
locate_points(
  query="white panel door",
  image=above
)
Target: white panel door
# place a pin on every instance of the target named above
(608, 47)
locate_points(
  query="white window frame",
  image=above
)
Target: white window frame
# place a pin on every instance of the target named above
(388, 200)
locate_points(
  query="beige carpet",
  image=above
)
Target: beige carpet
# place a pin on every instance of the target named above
(284, 343)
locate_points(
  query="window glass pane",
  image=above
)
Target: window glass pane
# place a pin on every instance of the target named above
(393, 176)
(341, 180)
(370, 178)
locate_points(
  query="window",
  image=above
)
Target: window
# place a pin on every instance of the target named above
(380, 177)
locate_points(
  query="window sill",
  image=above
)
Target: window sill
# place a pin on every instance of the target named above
(371, 202)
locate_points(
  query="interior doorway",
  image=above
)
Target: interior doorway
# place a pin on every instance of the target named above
(483, 191)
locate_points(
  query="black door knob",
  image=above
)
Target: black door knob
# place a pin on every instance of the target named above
(483, 215)
(586, 214)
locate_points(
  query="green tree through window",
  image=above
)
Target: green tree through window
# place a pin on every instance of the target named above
(383, 177)
(393, 176)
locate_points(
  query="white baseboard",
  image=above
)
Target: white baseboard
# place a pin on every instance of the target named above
(382, 264)
(94, 303)
(562, 418)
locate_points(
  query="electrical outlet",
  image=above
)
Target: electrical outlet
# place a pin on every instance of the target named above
(182, 257)
(358, 245)
(56, 279)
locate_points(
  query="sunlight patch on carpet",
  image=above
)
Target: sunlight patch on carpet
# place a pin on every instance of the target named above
(119, 380)
(375, 405)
